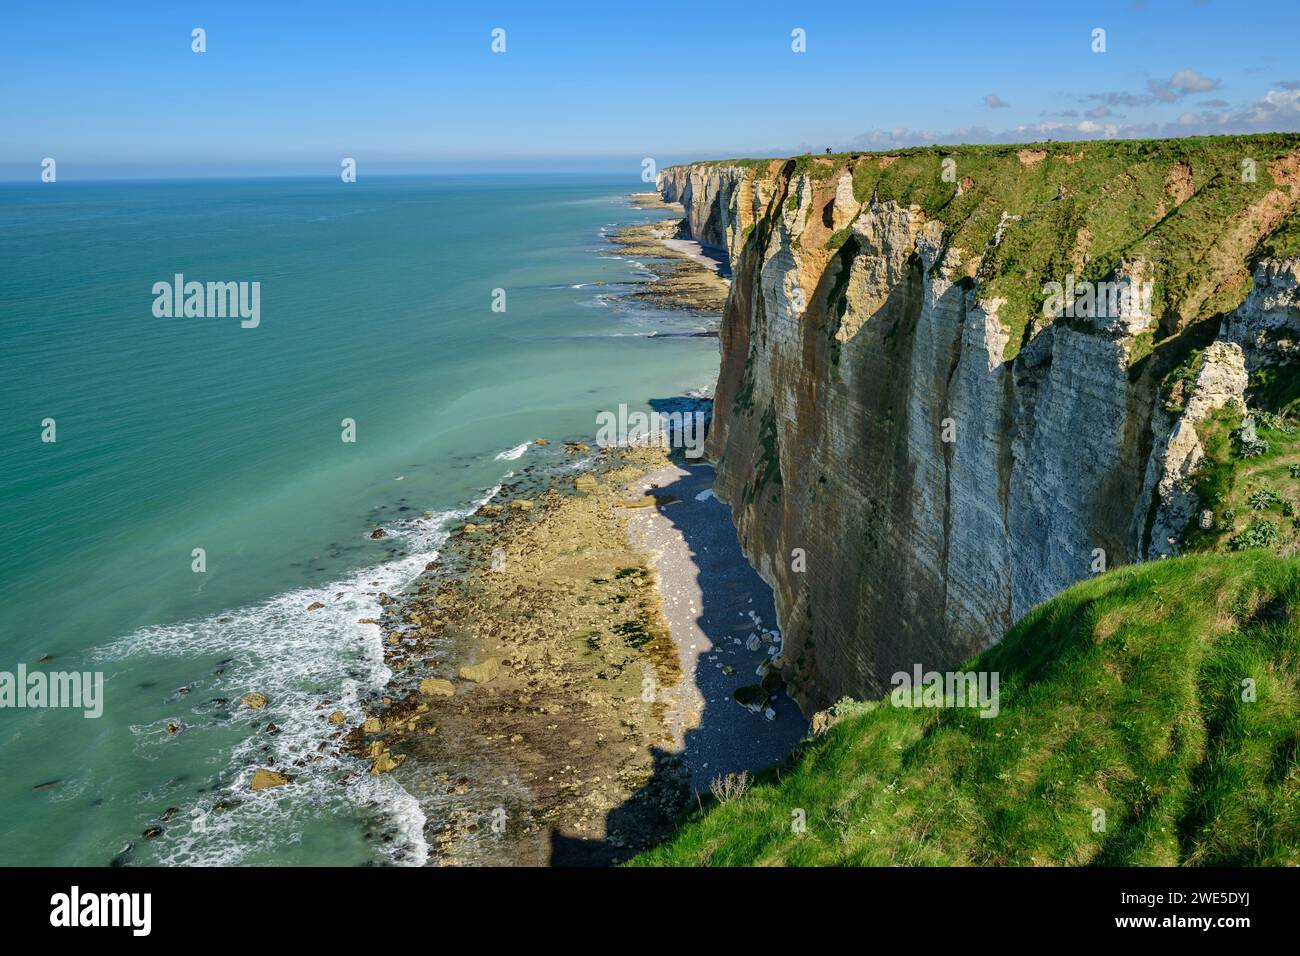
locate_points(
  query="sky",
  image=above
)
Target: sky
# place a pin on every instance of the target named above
(115, 90)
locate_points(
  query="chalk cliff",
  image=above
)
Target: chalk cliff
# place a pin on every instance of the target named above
(915, 450)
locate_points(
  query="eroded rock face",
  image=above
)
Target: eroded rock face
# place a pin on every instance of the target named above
(866, 418)
(1264, 330)
(720, 200)
(1267, 325)
(1221, 381)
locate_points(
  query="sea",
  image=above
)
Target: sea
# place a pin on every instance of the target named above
(187, 500)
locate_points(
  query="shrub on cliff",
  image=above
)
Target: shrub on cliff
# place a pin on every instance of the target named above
(1149, 716)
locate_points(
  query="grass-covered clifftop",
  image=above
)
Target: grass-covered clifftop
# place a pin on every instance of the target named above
(1130, 693)
(1197, 211)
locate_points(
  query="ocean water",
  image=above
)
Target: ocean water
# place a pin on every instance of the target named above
(176, 434)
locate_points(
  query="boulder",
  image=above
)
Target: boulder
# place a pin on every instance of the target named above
(772, 681)
(437, 687)
(386, 762)
(372, 725)
(482, 672)
(823, 721)
(266, 779)
(254, 700)
(752, 696)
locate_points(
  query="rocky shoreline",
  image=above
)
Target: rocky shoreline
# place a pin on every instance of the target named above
(683, 277)
(526, 712)
(523, 661)
(540, 706)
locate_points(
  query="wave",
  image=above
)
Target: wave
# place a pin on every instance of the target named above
(511, 454)
(308, 663)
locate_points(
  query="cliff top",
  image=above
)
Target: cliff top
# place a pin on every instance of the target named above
(1186, 147)
(1197, 212)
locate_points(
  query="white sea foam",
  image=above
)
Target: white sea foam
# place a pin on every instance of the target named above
(510, 454)
(307, 663)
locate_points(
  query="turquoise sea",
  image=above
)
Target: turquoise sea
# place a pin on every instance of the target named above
(176, 434)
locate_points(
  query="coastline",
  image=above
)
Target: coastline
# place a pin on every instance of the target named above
(569, 671)
(519, 664)
(683, 276)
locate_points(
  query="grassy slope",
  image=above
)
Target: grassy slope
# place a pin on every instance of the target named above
(1123, 693)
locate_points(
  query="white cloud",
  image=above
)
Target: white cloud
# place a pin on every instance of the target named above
(995, 102)
(1182, 83)
(1190, 81)
(1276, 111)
(1283, 99)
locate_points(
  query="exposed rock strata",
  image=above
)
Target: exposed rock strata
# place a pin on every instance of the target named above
(869, 420)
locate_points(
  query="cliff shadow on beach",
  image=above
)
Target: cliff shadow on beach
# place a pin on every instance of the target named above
(722, 618)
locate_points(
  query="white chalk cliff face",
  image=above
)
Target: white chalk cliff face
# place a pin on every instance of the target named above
(907, 491)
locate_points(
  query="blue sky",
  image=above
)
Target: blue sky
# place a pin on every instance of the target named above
(113, 89)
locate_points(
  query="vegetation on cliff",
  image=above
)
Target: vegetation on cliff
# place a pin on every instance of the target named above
(1248, 486)
(1148, 716)
(1196, 210)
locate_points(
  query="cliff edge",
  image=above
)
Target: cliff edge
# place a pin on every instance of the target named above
(956, 381)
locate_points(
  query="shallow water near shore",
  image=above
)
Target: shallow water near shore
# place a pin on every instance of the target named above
(184, 433)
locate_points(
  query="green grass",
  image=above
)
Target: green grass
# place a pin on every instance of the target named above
(1277, 389)
(1114, 189)
(1248, 493)
(1123, 694)
(837, 239)
(1178, 383)
(816, 167)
